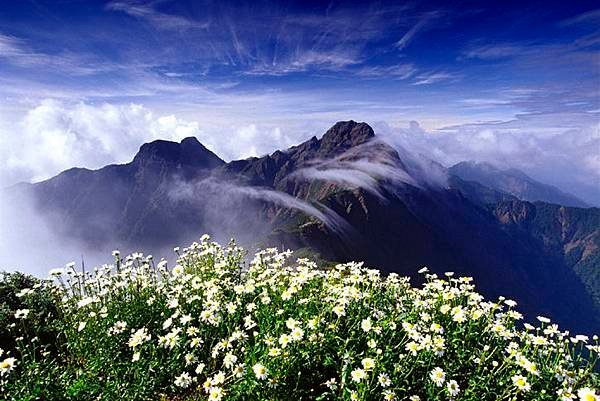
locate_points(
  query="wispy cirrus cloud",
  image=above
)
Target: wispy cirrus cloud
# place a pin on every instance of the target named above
(398, 71)
(485, 102)
(430, 78)
(233, 40)
(423, 23)
(591, 18)
(495, 51)
(333, 41)
(147, 11)
(580, 46)
(275, 39)
(10, 46)
(302, 61)
(576, 40)
(18, 52)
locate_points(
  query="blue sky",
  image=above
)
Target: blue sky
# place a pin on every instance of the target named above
(514, 83)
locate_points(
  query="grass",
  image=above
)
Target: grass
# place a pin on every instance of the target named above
(214, 327)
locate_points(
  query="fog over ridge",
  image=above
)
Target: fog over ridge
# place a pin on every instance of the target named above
(55, 135)
(30, 237)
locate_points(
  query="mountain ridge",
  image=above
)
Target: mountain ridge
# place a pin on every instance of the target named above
(514, 182)
(345, 196)
(188, 152)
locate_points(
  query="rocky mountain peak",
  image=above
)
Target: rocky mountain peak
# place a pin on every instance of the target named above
(189, 152)
(345, 135)
(340, 138)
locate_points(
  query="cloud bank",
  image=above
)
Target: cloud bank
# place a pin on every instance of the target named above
(568, 159)
(54, 135)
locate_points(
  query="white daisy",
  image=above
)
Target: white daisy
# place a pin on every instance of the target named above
(521, 383)
(260, 371)
(438, 376)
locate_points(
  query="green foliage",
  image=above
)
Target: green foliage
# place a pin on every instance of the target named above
(214, 327)
(20, 292)
(573, 231)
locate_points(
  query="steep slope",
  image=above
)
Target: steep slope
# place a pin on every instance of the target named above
(445, 231)
(514, 182)
(568, 234)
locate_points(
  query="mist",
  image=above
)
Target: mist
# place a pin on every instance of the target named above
(224, 201)
(31, 243)
(567, 159)
(373, 166)
(35, 239)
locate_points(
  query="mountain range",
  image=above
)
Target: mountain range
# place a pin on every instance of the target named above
(346, 196)
(514, 182)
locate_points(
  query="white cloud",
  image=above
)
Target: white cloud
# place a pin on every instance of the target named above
(54, 136)
(10, 46)
(495, 51)
(422, 24)
(434, 77)
(18, 52)
(240, 141)
(399, 71)
(567, 158)
(250, 140)
(160, 20)
(31, 244)
(335, 59)
(591, 17)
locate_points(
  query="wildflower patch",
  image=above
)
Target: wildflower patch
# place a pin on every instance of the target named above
(213, 327)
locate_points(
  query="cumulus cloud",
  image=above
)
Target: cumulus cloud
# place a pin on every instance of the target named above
(54, 136)
(242, 141)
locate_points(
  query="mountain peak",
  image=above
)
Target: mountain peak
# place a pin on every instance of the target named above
(345, 135)
(348, 132)
(189, 152)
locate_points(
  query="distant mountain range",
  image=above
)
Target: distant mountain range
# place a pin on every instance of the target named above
(514, 182)
(347, 196)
